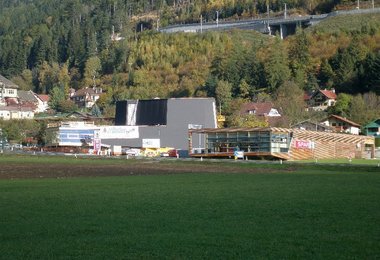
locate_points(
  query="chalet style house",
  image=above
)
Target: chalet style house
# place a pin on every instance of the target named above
(341, 124)
(312, 126)
(373, 128)
(39, 103)
(321, 99)
(10, 108)
(19, 104)
(260, 109)
(264, 110)
(8, 90)
(85, 97)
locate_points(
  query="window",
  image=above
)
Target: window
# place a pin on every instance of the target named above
(373, 129)
(11, 91)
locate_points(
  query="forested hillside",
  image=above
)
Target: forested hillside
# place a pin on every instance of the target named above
(50, 46)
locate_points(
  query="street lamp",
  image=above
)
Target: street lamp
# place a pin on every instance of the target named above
(285, 11)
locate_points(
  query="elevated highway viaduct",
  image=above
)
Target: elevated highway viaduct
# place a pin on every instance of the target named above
(283, 26)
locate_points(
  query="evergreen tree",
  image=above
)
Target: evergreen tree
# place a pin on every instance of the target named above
(299, 57)
(370, 76)
(326, 74)
(276, 68)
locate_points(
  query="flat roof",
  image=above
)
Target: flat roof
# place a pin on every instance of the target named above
(298, 133)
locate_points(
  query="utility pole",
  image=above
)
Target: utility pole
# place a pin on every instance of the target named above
(285, 12)
(268, 11)
(358, 7)
(373, 4)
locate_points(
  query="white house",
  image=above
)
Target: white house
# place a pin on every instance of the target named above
(86, 97)
(16, 112)
(265, 109)
(8, 89)
(42, 103)
(341, 124)
(321, 99)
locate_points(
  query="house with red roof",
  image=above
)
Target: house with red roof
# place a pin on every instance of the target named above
(321, 99)
(260, 109)
(265, 110)
(19, 104)
(31, 99)
(342, 124)
(43, 102)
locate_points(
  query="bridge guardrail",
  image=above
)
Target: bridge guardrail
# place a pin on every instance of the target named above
(226, 24)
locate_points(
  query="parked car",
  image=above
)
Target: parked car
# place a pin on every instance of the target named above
(130, 151)
(164, 154)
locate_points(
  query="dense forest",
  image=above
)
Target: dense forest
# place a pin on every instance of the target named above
(49, 46)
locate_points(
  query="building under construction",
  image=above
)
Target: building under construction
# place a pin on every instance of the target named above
(278, 143)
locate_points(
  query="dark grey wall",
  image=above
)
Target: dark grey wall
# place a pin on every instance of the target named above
(180, 113)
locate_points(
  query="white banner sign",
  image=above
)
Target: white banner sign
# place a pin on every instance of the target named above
(151, 143)
(119, 132)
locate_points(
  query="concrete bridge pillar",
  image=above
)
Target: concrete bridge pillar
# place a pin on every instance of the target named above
(283, 31)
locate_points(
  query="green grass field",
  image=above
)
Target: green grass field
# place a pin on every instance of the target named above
(311, 212)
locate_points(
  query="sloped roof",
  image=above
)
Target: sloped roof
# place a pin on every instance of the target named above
(328, 93)
(11, 101)
(375, 123)
(307, 96)
(26, 96)
(84, 91)
(345, 120)
(17, 108)
(7, 82)
(308, 121)
(44, 98)
(261, 109)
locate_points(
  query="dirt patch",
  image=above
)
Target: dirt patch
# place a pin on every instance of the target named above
(21, 171)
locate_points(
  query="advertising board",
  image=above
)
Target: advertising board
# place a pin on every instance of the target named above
(118, 132)
(151, 143)
(302, 144)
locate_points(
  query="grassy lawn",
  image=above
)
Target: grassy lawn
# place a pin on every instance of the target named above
(345, 162)
(310, 212)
